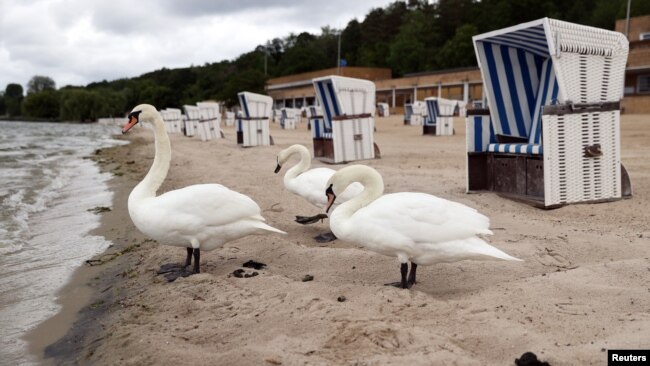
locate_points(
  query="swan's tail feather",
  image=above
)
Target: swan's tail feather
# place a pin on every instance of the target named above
(475, 248)
(481, 247)
(270, 228)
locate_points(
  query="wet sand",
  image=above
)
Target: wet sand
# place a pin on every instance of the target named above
(582, 288)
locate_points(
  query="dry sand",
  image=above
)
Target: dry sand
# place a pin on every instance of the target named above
(583, 287)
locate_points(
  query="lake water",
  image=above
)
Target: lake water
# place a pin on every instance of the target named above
(46, 190)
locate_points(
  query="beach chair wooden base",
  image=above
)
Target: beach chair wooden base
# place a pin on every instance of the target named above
(429, 130)
(520, 178)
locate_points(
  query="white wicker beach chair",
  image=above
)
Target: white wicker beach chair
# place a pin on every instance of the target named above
(551, 134)
(414, 113)
(383, 110)
(440, 116)
(230, 119)
(193, 115)
(172, 119)
(253, 124)
(210, 120)
(345, 132)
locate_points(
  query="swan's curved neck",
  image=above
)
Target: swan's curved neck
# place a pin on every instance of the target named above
(302, 166)
(158, 171)
(373, 188)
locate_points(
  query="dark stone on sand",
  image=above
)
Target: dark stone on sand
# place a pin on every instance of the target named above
(239, 273)
(248, 275)
(341, 299)
(529, 359)
(308, 278)
(254, 264)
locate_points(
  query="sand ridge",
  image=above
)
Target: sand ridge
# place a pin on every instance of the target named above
(581, 289)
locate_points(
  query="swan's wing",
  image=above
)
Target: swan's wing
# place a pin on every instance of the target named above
(311, 185)
(202, 205)
(420, 218)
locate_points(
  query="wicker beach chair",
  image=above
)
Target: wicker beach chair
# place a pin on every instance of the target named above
(172, 118)
(230, 119)
(439, 120)
(345, 131)
(253, 124)
(289, 118)
(414, 113)
(383, 110)
(551, 134)
(193, 115)
(210, 120)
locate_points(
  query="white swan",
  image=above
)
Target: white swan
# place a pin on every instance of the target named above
(415, 227)
(310, 184)
(198, 217)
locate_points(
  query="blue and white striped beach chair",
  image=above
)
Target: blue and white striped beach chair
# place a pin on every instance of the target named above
(551, 134)
(440, 116)
(415, 113)
(346, 130)
(253, 123)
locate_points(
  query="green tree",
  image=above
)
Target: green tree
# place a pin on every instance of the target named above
(459, 50)
(13, 99)
(78, 104)
(40, 83)
(3, 108)
(44, 104)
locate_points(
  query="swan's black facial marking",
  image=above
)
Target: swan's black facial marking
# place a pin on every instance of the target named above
(331, 197)
(278, 166)
(135, 114)
(134, 118)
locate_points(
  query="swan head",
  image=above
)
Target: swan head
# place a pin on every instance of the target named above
(367, 176)
(141, 113)
(285, 154)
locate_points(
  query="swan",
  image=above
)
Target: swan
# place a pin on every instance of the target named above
(414, 227)
(198, 217)
(310, 184)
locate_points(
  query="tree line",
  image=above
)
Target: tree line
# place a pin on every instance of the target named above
(406, 36)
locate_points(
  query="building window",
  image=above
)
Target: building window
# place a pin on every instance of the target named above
(644, 36)
(643, 84)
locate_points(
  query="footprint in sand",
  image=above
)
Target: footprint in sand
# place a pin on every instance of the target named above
(550, 258)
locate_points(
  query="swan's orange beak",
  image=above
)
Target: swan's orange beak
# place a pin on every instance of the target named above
(133, 119)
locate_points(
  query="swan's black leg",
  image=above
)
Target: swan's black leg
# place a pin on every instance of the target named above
(411, 280)
(404, 268)
(325, 237)
(197, 259)
(188, 259)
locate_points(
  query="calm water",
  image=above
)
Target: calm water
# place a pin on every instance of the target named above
(46, 188)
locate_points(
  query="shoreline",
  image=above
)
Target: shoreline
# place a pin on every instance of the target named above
(581, 288)
(60, 339)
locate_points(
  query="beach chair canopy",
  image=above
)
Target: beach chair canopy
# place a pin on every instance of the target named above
(531, 65)
(192, 112)
(340, 96)
(208, 110)
(255, 105)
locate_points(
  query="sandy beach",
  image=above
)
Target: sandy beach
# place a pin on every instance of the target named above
(582, 289)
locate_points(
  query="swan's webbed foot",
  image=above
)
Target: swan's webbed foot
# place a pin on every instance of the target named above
(405, 283)
(306, 220)
(325, 237)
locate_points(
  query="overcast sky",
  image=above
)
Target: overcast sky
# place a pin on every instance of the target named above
(76, 42)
